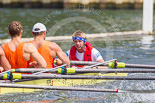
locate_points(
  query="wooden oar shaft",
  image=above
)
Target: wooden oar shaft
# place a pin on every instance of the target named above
(54, 76)
(56, 88)
(126, 65)
(23, 70)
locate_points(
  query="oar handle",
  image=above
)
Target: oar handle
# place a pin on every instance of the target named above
(66, 70)
(116, 64)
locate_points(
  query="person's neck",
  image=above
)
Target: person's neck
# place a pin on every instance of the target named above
(16, 40)
(38, 41)
(39, 38)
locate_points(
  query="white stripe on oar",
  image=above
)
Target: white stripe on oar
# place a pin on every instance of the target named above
(9, 85)
(99, 63)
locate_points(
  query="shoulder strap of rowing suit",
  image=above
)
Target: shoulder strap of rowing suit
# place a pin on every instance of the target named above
(87, 54)
(10, 55)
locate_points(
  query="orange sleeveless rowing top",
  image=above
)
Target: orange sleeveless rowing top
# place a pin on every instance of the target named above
(44, 51)
(10, 55)
(16, 58)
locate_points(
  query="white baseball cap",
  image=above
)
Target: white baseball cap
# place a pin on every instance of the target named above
(38, 27)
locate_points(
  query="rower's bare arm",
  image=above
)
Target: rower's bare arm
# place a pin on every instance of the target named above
(3, 61)
(32, 50)
(100, 60)
(101, 67)
(59, 53)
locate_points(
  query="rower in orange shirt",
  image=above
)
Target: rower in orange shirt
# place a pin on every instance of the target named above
(49, 50)
(17, 52)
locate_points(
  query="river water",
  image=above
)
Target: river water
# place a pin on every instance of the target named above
(138, 49)
(67, 21)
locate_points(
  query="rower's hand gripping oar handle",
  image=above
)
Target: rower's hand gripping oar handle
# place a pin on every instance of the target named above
(115, 64)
